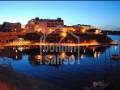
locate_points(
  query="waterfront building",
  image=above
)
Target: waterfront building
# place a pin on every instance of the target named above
(80, 29)
(11, 27)
(43, 25)
(9, 32)
(0, 27)
(47, 26)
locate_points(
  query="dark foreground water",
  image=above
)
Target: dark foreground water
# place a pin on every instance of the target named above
(94, 64)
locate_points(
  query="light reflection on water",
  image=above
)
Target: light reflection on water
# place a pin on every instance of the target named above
(94, 64)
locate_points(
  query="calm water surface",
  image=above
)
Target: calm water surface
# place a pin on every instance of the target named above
(94, 64)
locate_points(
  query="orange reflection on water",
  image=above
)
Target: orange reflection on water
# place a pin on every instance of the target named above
(62, 55)
(91, 42)
(81, 56)
(50, 57)
(39, 57)
(23, 43)
(96, 54)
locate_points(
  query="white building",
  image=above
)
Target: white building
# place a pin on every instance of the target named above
(43, 25)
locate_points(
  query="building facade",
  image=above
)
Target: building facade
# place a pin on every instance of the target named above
(10, 27)
(43, 25)
(0, 27)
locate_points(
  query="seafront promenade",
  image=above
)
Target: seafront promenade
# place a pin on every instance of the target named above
(28, 43)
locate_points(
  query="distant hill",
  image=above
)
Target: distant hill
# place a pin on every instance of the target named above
(111, 32)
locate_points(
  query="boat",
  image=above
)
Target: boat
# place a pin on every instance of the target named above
(115, 57)
(97, 85)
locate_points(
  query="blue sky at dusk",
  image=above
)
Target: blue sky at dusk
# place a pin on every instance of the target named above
(105, 14)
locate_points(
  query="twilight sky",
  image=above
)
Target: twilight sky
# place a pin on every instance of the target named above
(104, 14)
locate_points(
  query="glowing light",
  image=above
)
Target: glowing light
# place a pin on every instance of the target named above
(98, 54)
(84, 50)
(38, 57)
(38, 30)
(72, 29)
(21, 48)
(50, 57)
(97, 31)
(63, 55)
(26, 42)
(95, 55)
(15, 29)
(17, 43)
(83, 30)
(16, 51)
(21, 39)
(63, 34)
(16, 57)
(81, 56)
(50, 29)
